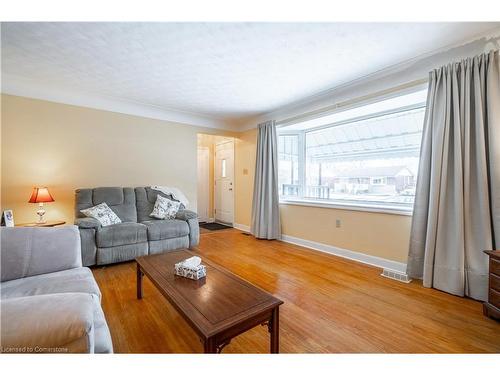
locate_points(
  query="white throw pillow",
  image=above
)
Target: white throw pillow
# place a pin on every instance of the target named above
(165, 208)
(103, 213)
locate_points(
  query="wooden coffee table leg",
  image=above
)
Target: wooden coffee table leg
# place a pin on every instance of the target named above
(274, 330)
(140, 274)
(210, 346)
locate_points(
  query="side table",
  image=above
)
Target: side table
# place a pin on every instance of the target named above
(49, 223)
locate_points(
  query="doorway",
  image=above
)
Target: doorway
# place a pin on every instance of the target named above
(224, 181)
(215, 187)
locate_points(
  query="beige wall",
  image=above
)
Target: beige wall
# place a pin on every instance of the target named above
(378, 234)
(66, 147)
(244, 171)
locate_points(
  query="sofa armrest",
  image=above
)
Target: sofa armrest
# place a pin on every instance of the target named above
(88, 227)
(89, 246)
(87, 223)
(194, 228)
(186, 215)
(50, 323)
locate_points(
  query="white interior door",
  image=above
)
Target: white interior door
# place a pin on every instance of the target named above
(224, 181)
(203, 183)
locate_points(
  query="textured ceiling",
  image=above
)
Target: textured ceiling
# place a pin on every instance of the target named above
(226, 70)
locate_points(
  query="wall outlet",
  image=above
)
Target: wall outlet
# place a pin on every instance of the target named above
(338, 223)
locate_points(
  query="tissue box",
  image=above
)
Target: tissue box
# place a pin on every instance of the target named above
(194, 274)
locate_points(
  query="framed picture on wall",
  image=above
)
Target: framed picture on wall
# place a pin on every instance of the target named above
(8, 218)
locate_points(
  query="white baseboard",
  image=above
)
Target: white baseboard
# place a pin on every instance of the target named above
(244, 228)
(348, 254)
(211, 220)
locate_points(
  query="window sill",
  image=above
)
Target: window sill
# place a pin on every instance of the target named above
(348, 206)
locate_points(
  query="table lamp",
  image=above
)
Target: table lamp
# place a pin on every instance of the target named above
(40, 195)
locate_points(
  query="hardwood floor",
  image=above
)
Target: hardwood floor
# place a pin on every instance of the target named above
(332, 305)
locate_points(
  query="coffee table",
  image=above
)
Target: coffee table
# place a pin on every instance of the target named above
(218, 307)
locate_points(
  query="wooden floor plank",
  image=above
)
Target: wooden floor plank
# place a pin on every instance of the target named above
(332, 305)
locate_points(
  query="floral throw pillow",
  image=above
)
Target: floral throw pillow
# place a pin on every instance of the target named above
(103, 214)
(165, 208)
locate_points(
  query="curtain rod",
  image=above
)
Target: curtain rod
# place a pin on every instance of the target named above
(350, 102)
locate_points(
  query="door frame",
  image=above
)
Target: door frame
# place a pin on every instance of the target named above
(204, 185)
(232, 141)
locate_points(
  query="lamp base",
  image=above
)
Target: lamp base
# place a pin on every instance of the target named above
(40, 214)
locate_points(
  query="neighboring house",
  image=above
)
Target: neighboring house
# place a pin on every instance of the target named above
(374, 180)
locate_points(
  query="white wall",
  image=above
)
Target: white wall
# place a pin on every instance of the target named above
(379, 83)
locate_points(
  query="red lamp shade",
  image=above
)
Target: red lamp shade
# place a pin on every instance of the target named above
(40, 195)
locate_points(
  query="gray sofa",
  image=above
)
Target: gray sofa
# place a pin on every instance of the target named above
(49, 302)
(138, 234)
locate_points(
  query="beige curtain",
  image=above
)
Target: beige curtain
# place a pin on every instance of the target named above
(265, 208)
(457, 204)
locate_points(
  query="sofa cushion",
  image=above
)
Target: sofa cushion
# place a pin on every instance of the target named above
(52, 323)
(145, 201)
(29, 251)
(164, 229)
(120, 200)
(103, 214)
(75, 280)
(165, 208)
(111, 195)
(121, 234)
